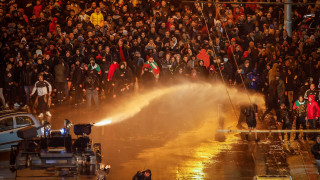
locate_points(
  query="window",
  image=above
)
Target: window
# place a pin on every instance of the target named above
(23, 121)
(6, 124)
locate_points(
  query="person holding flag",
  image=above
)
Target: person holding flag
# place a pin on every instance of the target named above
(94, 66)
(154, 68)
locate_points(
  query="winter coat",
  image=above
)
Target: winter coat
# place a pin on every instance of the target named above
(8, 79)
(250, 112)
(281, 89)
(253, 80)
(300, 108)
(203, 55)
(77, 78)
(27, 77)
(121, 76)
(313, 109)
(60, 73)
(315, 151)
(285, 116)
(147, 79)
(91, 82)
(97, 19)
(53, 24)
(105, 70)
(37, 10)
(273, 72)
(112, 69)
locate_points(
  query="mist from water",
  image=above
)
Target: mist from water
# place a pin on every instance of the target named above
(181, 122)
(203, 94)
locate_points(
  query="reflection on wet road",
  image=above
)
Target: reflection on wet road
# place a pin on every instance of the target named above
(173, 133)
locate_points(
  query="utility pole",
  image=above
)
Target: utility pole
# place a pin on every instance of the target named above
(288, 17)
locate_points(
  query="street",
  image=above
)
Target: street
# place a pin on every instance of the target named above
(175, 137)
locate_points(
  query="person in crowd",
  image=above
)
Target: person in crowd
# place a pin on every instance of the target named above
(94, 66)
(316, 152)
(97, 18)
(46, 37)
(313, 112)
(280, 89)
(43, 89)
(142, 175)
(27, 81)
(312, 91)
(10, 89)
(121, 80)
(2, 83)
(154, 67)
(77, 81)
(91, 87)
(147, 79)
(60, 79)
(300, 110)
(251, 115)
(286, 121)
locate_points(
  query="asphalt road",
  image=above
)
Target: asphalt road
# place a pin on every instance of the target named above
(174, 136)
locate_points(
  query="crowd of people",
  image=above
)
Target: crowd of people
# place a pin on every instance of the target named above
(57, 49)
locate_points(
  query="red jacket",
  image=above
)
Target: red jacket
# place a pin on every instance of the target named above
(53, 25)
(313, 108)
(112, 69)
(37, 10)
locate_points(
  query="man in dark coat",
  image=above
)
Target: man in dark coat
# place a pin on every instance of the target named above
(77, 81)
(142, 175)
(316, 152)
(60, 79)
(286, 121)
(91, 86)
(251, 114)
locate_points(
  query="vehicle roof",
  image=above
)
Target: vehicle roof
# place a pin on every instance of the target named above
(11, 112)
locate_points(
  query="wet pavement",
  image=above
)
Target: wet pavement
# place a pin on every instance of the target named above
(175, 136)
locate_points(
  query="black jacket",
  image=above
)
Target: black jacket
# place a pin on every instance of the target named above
(27, 77)
(91, 82)
(315, 151)
(77, 77)
(140, 176)
(285, 116)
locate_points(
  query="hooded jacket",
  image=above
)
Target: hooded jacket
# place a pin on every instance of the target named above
(203, 55)
(53, 25)
(112, 69)
(313, 109)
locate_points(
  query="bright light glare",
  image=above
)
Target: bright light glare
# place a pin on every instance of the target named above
(104, 122)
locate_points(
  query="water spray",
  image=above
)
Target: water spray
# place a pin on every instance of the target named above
(212, 93)
(103, 122)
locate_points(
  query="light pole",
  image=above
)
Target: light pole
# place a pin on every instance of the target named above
(288, 16)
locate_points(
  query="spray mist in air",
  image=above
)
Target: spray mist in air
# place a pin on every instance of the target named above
(203, 93)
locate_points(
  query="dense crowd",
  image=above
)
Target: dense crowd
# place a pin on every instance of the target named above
(57, 49)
